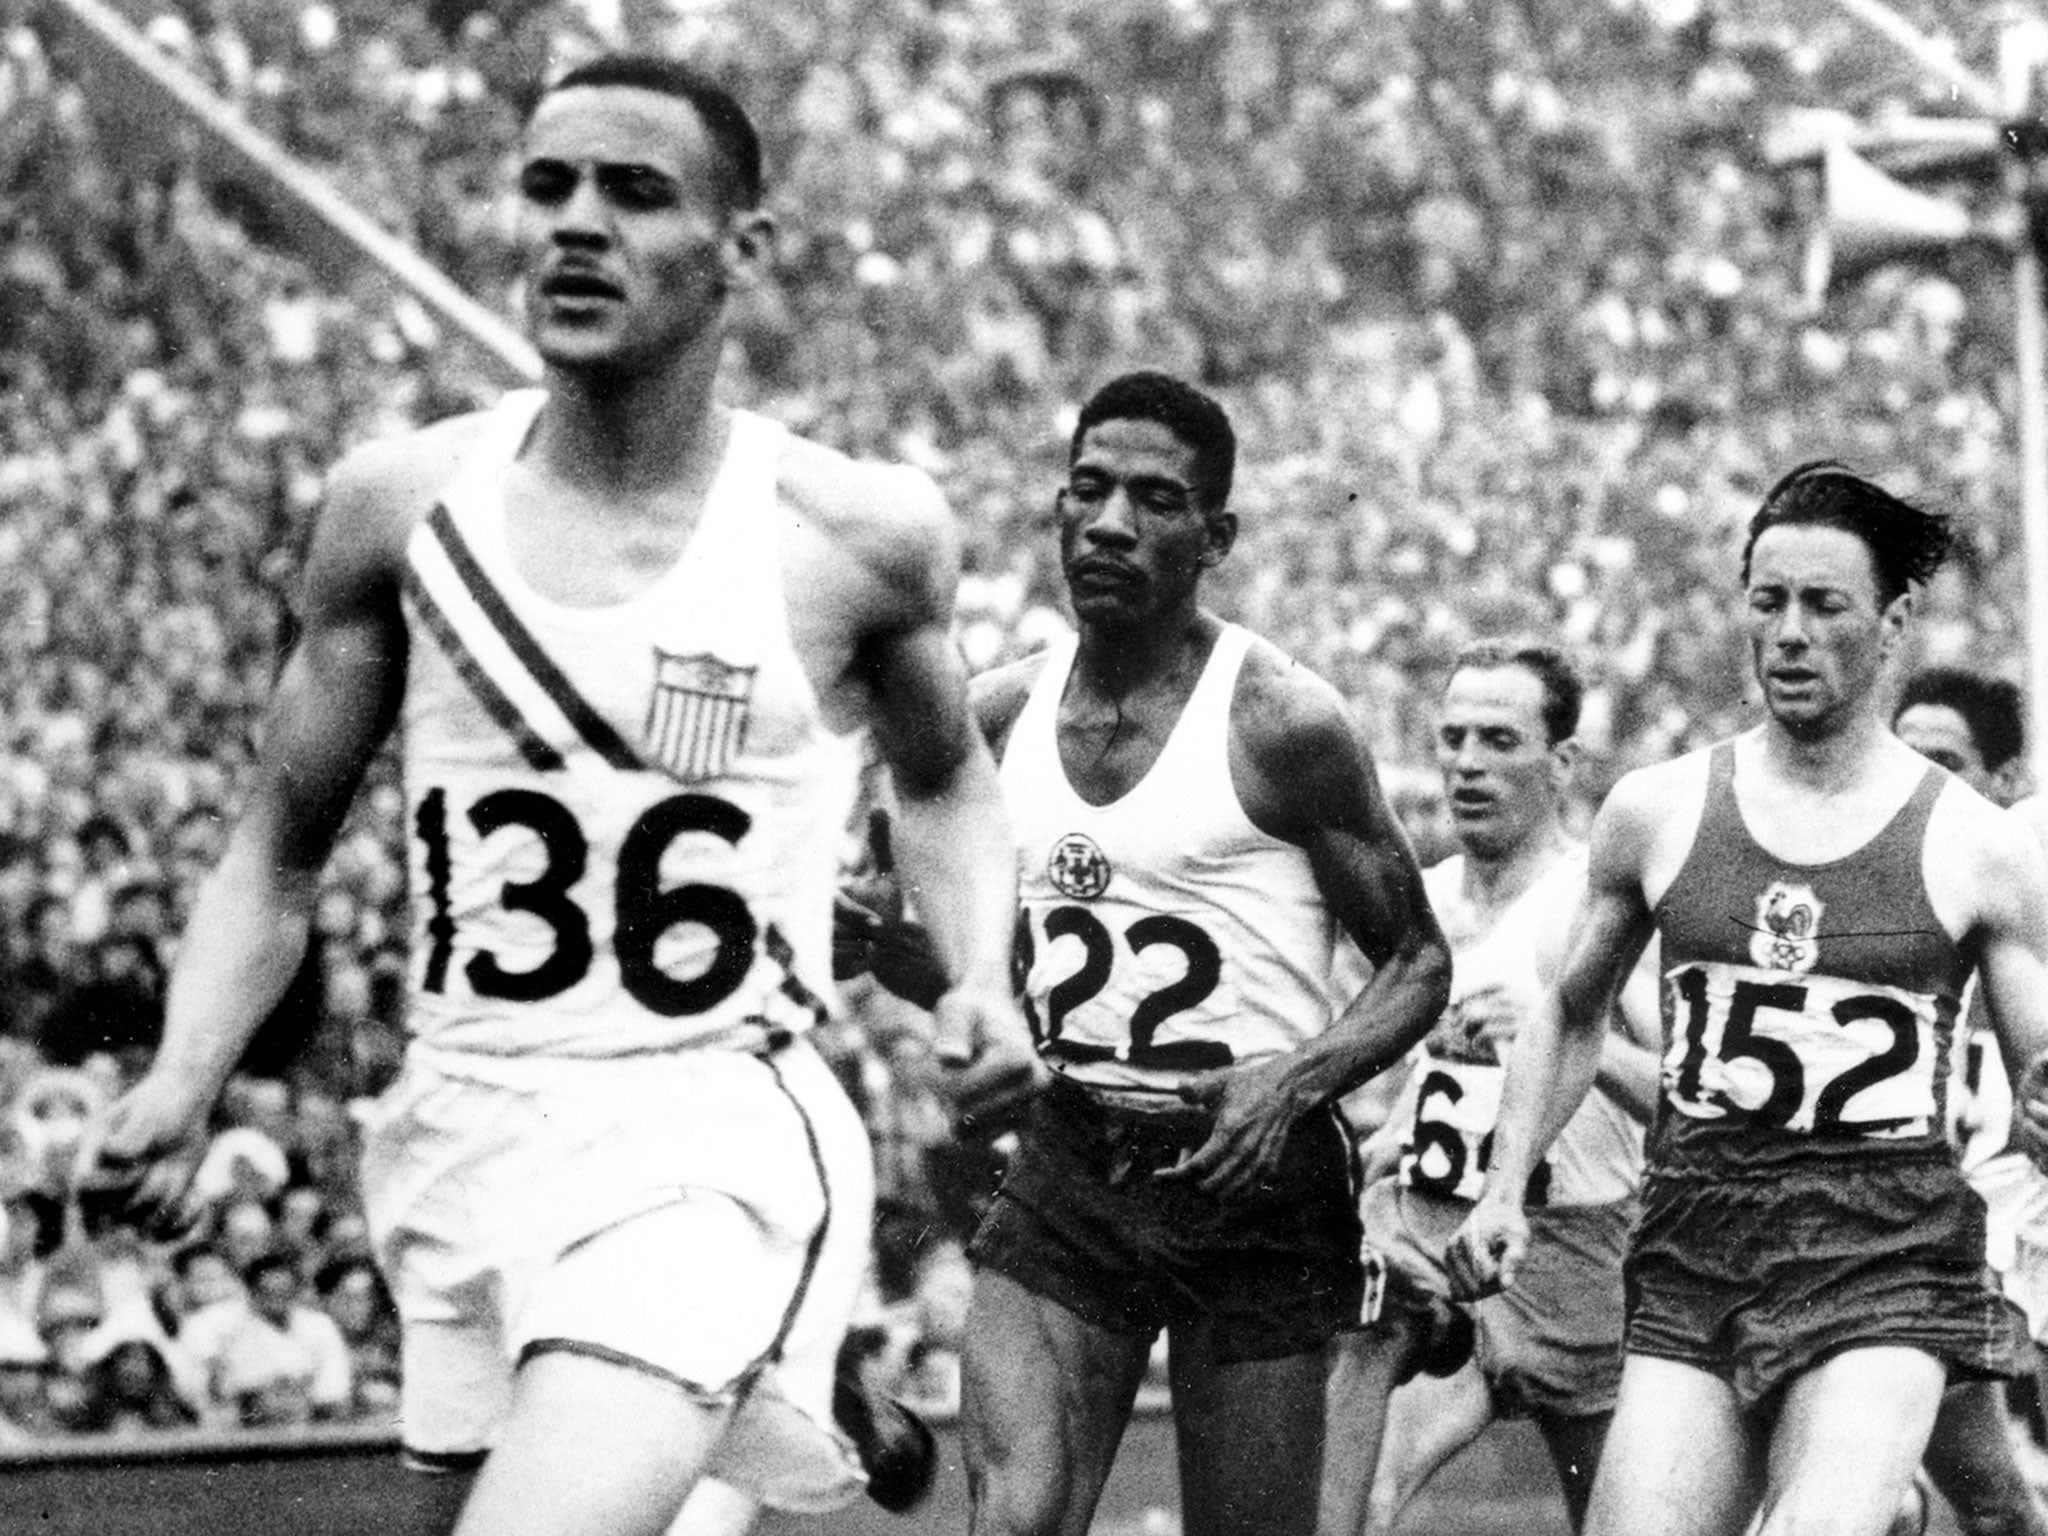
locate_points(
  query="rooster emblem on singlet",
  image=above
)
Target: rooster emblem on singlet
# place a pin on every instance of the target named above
(1078, 868)
(1786, 935)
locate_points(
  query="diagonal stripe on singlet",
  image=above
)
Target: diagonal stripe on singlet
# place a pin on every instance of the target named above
(590, 725)
(536, 751)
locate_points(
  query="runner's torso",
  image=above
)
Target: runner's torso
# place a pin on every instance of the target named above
(624, 821)
(1598, 1156)
(1808, 1008)
(1163, 934)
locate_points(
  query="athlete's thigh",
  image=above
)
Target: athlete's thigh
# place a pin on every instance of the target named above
(592, 1447)
(1970, 1460)
(1680, 1459)
(1847, 1440)
(1044, 1398)
(1251, 1439)
(1362, 1366)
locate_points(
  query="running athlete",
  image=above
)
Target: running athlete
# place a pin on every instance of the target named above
(632, 639)
(1550, 1348)
(1196, 819)
(1808, 1271)
(1971, 724)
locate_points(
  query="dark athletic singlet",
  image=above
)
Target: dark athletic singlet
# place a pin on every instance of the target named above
(1808, 1008)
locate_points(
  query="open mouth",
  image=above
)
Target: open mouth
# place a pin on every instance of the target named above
(579, 288)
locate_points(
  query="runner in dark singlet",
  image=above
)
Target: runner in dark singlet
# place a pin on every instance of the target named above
(1809, 1271)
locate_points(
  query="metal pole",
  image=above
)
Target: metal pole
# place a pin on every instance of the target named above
(2019, 55)
(1978, 93)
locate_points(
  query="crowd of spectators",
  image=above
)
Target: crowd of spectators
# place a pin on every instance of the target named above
(1505, 301)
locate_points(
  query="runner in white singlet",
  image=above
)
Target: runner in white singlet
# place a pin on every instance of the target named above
(631, 638)
(1196, 818)
(1506, 749)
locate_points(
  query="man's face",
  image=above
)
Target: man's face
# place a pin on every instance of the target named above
(1942, 736)
(1501, 774)
(623, 224)
(1133, 536)
(1818, 636)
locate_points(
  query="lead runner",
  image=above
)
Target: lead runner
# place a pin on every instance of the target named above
(633, 638)
(1808, 1272)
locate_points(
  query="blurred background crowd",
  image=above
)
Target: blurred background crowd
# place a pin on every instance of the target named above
(1503, 295)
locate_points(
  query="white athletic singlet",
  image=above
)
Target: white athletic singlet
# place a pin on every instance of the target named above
(1457, 1077)
(625, 821)
(1163, 934)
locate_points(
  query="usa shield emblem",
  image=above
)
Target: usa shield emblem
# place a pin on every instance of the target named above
(697, 717)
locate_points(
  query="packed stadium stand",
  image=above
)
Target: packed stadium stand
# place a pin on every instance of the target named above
(1505, 299)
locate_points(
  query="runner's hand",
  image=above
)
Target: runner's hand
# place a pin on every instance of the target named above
(1488, 1249)
(1255, 1114)
(992, 1071)
(139, 1168)
(2030, 1111)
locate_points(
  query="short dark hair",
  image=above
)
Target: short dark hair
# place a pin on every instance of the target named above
(1989, 706)
(1907, 544)
(1193, 417)
(731, 130)
(1564, 692)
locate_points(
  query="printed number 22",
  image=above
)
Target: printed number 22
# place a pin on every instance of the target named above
(1098, 960)
(644, 910)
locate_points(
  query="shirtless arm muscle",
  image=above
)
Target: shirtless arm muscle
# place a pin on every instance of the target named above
(334, 703)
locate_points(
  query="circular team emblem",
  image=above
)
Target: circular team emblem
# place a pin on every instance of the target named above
(1077, 868)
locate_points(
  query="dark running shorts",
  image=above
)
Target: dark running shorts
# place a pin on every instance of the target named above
(1081, 1221)
(1759, 1279)
(1551, 1343)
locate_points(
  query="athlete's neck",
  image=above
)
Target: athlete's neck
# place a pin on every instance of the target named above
(626, 434)
(1493, 880)
(1827, 762)
(1118, 662)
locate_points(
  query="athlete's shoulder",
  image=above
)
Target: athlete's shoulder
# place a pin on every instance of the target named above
(1654, 795)
(1646, 826)
(385, 486)
(1963, 825)
(998, 695)
(1282, 709)
(374, 497)
(890, 519)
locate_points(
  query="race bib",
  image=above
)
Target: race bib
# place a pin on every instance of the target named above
(1809, 1053)
(1451, 1142)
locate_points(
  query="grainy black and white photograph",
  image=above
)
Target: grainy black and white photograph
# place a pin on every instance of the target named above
(1023, 767)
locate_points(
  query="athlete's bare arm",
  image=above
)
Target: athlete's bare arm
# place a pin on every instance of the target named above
(1631, 1054)
(1557, 1054)
(950, 834)
(1975, 855)
(334, 702)
(1305, 775)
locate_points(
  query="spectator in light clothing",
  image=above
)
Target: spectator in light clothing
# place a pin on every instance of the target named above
(272, 1359)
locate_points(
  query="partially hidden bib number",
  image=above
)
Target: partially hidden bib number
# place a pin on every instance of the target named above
(1815, 1054)
(1450, 1147)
